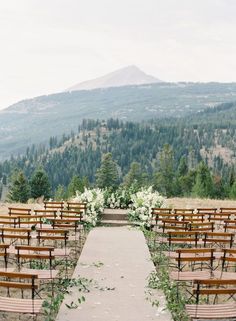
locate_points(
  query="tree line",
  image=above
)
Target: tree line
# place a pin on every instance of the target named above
(168, 155)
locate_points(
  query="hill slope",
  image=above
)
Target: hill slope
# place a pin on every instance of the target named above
(33, 121)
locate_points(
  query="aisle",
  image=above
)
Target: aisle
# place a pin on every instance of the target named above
(118, 262)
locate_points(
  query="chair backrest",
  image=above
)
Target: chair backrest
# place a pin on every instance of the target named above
(34, 253)
(66, 223)
(171, 224)
(14, 234)
(195, 255)
(229, 225)
(183, 211)
(218, 238)
(77, 206)
(19, 211)
(53, 205)
(52, 235)
(232, 210)
(71, 214)
(202, 226)
(214, 287)
(183, 237)
(24, 281)
(229, 256)
(46, 213)
(191, 217)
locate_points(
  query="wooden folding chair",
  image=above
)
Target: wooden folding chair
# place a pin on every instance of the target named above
(213, 287)
(23, 282)
(218, 239)
(36, 255)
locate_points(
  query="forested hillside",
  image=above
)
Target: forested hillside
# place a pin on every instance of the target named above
(33, 121)
(209, 136)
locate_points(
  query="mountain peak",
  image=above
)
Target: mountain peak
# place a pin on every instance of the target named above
(130, 75)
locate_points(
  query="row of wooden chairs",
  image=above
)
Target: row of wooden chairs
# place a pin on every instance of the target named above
(200, 247)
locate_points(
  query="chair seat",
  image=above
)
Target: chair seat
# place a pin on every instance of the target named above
(20, 305)
(42, 274)
(211, 312)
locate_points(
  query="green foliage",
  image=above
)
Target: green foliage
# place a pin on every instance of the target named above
(60, 193)
(204, 183)
(39, 184)
(19, 188)
(107, 174)
(232, 192)
(172, 170)
(76, 184)
(165, 178)
(135, 177)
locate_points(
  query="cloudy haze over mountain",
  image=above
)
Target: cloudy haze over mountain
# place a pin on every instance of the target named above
(46, 46)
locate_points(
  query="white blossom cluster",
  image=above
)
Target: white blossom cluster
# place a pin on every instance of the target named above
(118, 199)
(142, 204)
(95, 204)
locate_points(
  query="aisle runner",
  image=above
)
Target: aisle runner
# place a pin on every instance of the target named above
(117, 261)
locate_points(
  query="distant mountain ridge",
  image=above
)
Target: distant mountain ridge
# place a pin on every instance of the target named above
(130, 75)
(33, 121)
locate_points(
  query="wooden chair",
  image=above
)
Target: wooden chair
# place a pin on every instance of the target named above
(22, 282)
(216, 288)
(15, 234)
(51, 237)
(218, 239)
(36, 255)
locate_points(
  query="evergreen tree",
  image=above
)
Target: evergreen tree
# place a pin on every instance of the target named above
(204, 183)
(39, 184)
(60, 193)
(76, 184)
(164, 179)
(134, 176)
(107, 174)
(19, 188)
(232, 192)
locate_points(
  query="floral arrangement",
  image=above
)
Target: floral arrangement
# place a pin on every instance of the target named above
(95, 204)
(139, 203)
(142, 203)
(121, 198)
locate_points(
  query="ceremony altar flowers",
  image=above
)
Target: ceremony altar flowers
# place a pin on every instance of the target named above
(142, 203)
(95, 204)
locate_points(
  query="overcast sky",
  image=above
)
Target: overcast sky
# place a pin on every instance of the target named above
(50, 45)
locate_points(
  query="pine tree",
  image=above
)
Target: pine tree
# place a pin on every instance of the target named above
(39, 184)
(204, 183)
(19, 188)
(76, 184)
(134, 176)
(60, 193)
(164, 179)
(107, 174)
